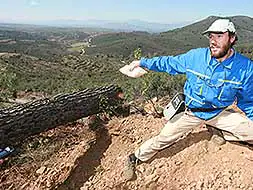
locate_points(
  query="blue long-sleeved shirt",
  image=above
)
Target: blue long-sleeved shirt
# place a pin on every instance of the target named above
(210, 84)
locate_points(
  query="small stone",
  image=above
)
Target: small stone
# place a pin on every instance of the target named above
(242, 186)
(115, 133)
(151, 179)
(142, 169)
(41, 170)
(177, 163)
(150, 171)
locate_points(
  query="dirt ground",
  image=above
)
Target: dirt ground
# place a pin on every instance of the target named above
(192, 163)
(94, 159)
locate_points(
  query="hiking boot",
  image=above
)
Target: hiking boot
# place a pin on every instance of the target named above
(217, 136)
(130, 165)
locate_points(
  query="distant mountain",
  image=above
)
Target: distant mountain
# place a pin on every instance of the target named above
(138, 25)
(192, 33)
(126, 26)
(173, 41)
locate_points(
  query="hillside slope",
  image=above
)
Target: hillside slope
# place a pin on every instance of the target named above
(76, 157)
(89, 162)
(192, 33)
(171, 42)
(192, 163)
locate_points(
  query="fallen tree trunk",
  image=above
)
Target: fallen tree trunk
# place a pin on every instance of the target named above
(19, 122)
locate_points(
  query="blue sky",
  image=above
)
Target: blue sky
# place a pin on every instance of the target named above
(162, 11)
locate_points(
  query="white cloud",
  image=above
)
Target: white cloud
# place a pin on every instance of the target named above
(34, 3)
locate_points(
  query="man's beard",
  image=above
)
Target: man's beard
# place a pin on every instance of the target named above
(223, 51)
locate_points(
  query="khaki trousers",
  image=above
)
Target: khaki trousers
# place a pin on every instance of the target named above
(234, 125)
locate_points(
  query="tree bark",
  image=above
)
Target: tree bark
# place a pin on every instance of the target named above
(19, 122)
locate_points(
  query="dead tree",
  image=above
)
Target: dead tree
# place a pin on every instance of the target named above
(19, 122)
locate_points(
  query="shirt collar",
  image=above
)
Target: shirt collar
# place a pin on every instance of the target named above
(227, 63)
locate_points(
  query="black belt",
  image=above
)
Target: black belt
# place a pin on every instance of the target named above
(204, 109)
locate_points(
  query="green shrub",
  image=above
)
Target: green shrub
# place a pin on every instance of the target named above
(8, 82)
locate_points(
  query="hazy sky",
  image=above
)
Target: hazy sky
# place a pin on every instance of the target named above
(163, 11)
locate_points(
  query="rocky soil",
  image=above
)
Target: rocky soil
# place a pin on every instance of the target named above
(192, 163)
(96, 161)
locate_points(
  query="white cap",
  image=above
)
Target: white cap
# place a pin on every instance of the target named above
(221, 25)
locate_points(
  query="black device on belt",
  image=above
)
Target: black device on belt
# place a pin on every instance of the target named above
(204, 109)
